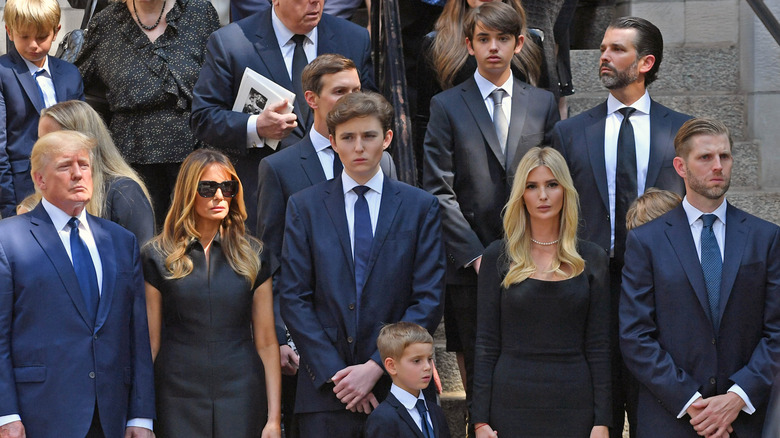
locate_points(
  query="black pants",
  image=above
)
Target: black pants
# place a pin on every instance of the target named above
(95, 430)
(625, 388)
(160, 180)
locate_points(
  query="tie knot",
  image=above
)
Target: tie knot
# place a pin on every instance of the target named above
(627, 111)
(360, 190)
(498, 96)
(38, 73)
(421, 406)
(708, 219)
(73, 223)
(298, 39)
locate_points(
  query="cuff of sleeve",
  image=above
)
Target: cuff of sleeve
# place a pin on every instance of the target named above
(146, 423)
(468, 265)
(687, 405)
(253, 140)
(749, 408)
(5, 419)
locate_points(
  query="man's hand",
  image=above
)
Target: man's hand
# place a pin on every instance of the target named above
(367, 404)
(717, 414)
(138, 432)
(355, 382)
(14, 429)
(272, 124)
(290, 361)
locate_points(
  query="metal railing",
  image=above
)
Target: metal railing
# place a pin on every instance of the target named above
(766, 16)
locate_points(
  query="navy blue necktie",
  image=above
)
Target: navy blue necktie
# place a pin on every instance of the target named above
(625, 179)
(36, 75)
(299, 62)
(85, 269)
(337, 165)
(426, 430)
(711, 265)
(363, 237)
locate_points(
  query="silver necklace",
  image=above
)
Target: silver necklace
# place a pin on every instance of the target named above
(545, 243)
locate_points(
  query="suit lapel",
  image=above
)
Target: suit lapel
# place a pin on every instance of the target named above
(387, 212)
(476, 105)
(679, 235)
(594, 139)
(310, 162)
(267, 47)
(404, 414)
(334, 204)
(47, 237)
(27, 81)
(519, 112)
(105, 246)
(734, 248)
(661, 141)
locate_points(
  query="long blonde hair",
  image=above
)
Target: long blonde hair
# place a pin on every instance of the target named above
(517, 224)
(449, 53)
(241, 251)
(107, 162)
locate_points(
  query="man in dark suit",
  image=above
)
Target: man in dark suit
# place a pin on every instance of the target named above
(700, 303)
(30, 80)
(266, 43)
(74, 343)
(470, 169)
(325, 80)
(631, 54)
(359, 251)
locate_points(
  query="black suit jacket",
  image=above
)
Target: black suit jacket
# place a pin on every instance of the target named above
(581, 141)
(280, 176)
(466, 169)
(666, 333)
(391, 420)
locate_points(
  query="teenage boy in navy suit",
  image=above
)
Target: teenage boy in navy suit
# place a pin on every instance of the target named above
(359, 251)
(407, 354)
(30, 81)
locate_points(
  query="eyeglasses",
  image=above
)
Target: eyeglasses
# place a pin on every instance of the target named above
(208, 189)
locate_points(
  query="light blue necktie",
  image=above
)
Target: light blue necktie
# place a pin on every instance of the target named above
(426, 429)
(85, 269)
(711, 265)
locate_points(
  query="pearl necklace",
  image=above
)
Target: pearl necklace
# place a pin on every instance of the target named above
(545, 243)
(156, 23)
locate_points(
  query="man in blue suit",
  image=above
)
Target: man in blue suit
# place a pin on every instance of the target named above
(30, 80)
(359, 251)
(75, 359)
(631, 54)
(700, 303)
(266, 43)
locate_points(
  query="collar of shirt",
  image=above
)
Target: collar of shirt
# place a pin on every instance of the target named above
(642, 105)
(486, 87)
(287, 46)
(409, 401)
(325, 153)
(34, 68)
(319, 141)
(60, 219)
(375, 183)
(45, 82)
(696, 225)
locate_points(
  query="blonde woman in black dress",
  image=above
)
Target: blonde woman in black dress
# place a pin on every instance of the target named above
(542, 356)
(210, 307)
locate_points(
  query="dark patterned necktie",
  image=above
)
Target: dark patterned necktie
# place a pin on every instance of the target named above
(625, 180)
(298, 63)
(711, 265)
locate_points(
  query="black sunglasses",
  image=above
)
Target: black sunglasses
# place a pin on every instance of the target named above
(208, 189)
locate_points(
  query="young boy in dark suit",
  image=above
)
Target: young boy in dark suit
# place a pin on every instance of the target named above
(30, 81)
(407, 354)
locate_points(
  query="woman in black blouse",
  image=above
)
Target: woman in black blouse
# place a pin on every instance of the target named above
(210, 308)
(148, 54)
(542, 364)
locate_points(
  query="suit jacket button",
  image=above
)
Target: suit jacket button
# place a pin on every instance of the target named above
(91, 374)
(349, 339)
(712, 380)
(95, 337)
(351, 306)
(713, 341)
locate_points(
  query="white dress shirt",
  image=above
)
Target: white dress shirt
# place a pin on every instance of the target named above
(373, 198)
(44, 81)
(60, 220)
(640, 121)
(287, 47)
(719, 228)
(409, 401)
(325, 152)
(486, 87)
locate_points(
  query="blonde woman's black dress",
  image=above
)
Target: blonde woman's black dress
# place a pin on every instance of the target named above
(209, 379)
(542, 358)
